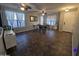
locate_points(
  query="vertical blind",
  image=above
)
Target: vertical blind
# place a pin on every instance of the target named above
(51, 20)
(15, 19)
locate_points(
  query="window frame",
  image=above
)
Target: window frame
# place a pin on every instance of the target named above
(49, 21)
(24, 19)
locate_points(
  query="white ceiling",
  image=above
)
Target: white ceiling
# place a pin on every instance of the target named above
(48, 6)
(52, 6)
(55, 7)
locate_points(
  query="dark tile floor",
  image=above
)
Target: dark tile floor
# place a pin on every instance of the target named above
(50, 43)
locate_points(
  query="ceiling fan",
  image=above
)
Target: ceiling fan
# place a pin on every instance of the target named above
(27, 7)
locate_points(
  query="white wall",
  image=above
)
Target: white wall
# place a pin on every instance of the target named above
(75, 32)
(75, 35)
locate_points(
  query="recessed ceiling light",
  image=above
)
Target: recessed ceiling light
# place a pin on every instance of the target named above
(22, 8)
(66, 10)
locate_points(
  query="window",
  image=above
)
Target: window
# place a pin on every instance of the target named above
(41, 20)
(15, 19)
(51, 20)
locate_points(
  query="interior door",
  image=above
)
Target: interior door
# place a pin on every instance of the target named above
(69, 18)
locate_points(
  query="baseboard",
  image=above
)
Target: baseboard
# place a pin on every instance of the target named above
(24, 31)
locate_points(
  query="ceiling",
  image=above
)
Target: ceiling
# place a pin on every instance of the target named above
(51, 6)
(47, 6)
(55, 7)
